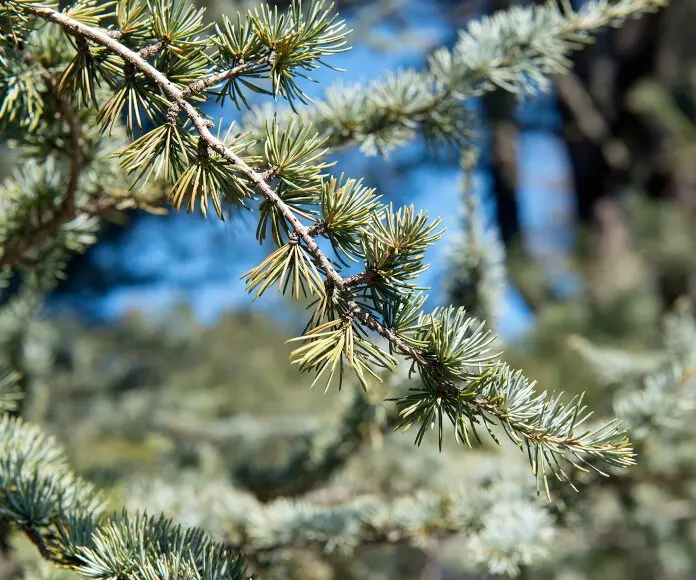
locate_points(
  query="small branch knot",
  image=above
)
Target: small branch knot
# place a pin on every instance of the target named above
(82, 44)
(154, 49)
(318, 229)
(203, 148)
(129, 71)
(173, 113)
(369, 277)
(329, 287)
(270, 173)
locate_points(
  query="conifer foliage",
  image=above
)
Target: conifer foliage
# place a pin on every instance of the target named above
(104, 102)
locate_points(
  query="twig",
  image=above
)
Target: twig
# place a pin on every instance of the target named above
(67, 210)
(209, 81)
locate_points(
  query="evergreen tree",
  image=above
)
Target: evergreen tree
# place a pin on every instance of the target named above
(103, 105)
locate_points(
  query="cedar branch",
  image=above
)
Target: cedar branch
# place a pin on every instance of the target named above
(179, 102)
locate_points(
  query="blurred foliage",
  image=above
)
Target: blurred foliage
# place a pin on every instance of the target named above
(183, 404)
(154, 377)
(170, 417)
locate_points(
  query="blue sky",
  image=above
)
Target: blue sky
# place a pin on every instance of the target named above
(186, 259)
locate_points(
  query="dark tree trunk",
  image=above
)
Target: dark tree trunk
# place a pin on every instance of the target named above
(599, 128)
(499, 109)
(612, 148)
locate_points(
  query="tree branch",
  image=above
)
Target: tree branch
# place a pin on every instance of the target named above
(202, 125)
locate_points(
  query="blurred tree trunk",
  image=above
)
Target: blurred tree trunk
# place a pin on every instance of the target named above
(611, 148)
(599, 127)
(499, 110)
(503, 163)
